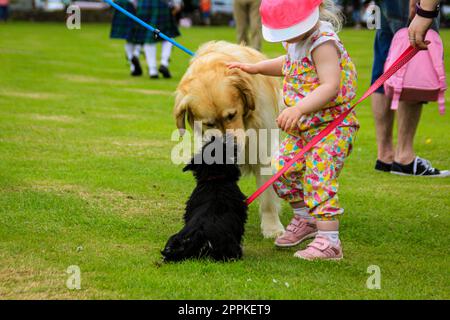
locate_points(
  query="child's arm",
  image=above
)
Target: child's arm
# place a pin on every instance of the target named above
(326, 61)
(271, 67)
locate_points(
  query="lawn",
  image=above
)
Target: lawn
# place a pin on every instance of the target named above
(86, 180)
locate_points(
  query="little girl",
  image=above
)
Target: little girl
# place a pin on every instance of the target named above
(319, 83)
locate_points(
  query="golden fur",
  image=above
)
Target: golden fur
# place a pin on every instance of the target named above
(232, 99)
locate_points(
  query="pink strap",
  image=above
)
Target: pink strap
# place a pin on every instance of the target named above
(441, 101)
(436, 59)
(396, 98)
(401, 61)
(441, 97)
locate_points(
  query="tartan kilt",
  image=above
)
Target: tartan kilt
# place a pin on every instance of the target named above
(157, 14)
(121, 26)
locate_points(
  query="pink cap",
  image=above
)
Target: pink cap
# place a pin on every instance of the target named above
(286, 19)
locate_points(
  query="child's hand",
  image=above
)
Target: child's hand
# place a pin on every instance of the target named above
(246, 67)
(289, 118)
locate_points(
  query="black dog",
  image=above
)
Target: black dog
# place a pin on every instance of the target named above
(216, 211)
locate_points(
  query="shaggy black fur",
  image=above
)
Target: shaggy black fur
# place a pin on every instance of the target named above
(215, 213)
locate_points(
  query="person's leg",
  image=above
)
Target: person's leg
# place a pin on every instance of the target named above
(129, 47)
(323, 165)
(150, 56)
(384, 124)
(301, 210)
(320, 194)
(166, 50)
(383, 115)
(137, 48)
(2, 13)
(255, 25)
(408, 116)
(289, 187)
(133, 52)
(240, 12)
(356, 14)
(406, 162)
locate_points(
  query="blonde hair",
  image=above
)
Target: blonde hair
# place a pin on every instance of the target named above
(330, 12)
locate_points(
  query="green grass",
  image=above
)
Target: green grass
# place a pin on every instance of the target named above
(86, 179)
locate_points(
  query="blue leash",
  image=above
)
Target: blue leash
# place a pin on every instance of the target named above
(149, 27)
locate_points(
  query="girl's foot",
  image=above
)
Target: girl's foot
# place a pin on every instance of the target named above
(296, 232)
(321, 249)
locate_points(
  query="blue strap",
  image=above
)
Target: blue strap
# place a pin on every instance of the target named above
(149, 27)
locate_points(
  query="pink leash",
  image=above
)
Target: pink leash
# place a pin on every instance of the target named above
(400, 62)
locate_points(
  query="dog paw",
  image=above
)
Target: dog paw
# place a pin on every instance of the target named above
(272, 230)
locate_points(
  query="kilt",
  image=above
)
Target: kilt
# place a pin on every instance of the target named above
(122, 26)
(157, 14)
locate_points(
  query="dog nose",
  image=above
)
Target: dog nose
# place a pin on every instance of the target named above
(238, 136)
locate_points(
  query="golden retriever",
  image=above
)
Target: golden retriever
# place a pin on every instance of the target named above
(227, 99)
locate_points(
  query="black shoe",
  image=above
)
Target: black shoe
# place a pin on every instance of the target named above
(165, 72)
(419, 167)
(382, 166)
(137, 70)
(154, 76)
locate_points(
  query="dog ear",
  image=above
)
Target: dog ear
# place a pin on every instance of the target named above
(179, 112)
(243, 83)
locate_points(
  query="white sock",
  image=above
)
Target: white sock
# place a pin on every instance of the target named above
(303, 213)
(166, 50)
(137, 50)
(129, 47)
(333, 236)
(129, 50)
(150, 56)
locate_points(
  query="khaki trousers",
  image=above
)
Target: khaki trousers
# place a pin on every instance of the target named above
(248, 22)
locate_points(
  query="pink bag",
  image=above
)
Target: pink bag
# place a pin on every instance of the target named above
(423, 78)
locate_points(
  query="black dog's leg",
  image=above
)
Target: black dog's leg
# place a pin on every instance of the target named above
(188, 243)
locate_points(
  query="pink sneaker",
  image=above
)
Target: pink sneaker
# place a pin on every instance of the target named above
(296, 232)
(321, 249)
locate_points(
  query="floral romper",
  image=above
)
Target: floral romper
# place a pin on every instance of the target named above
(313, 179)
